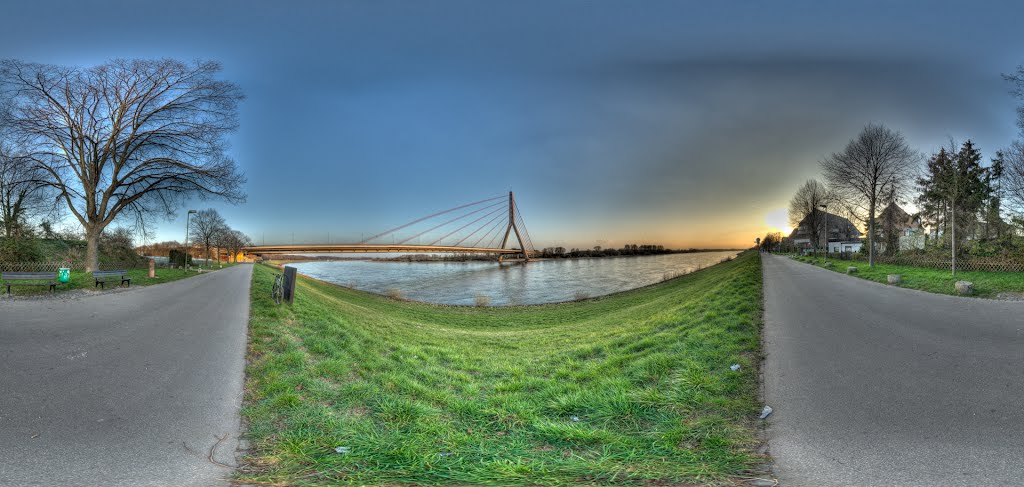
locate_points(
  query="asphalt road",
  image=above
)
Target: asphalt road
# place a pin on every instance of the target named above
(879, 386)
(126, 388)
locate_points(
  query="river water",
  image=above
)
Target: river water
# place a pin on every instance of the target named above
(542, 281)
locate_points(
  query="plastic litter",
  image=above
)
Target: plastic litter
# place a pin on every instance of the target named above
(342, 449)
(767, 411)
(575, 419)
(735, 367)
(445, 454)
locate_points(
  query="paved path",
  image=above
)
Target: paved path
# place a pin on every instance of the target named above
(879, 386)
(126, 388)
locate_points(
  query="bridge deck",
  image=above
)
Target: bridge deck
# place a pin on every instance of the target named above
(367, 248)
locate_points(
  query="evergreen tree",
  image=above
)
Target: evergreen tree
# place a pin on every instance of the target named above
(932, 199)
(994, 183)
(955, 182)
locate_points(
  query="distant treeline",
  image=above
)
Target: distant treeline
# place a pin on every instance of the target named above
(626, 250)
(552, 253)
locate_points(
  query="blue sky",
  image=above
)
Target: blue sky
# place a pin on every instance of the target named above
(679, 123)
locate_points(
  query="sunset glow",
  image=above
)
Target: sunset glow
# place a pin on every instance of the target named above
(778, 221)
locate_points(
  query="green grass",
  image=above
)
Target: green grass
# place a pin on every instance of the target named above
(437, 395)
(84, 280)
(986, 284)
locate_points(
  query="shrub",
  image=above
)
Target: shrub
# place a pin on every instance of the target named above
(177, 258)
(394, 293)
(20, 248)
(482, 301)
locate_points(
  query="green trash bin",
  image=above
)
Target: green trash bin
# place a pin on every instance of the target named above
(63, 275)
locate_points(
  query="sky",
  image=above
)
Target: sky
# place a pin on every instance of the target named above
(686, 124)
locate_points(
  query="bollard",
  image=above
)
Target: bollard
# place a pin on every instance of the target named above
(152, 268)
(289, 284)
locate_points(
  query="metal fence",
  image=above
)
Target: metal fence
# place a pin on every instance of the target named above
(988, 264)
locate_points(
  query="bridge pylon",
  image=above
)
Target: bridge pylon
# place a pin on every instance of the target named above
(512, 227)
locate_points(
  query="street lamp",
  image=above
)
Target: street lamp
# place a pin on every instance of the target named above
(825, 208)
(187, 215)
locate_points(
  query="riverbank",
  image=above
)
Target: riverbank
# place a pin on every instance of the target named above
(996, 285)
(348, 387)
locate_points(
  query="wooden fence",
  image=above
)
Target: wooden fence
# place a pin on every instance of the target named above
(73, 265)
(988, 264)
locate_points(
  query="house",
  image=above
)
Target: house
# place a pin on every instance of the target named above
(905, 229)
(843, 235)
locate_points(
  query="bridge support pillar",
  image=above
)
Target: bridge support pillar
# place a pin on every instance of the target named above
(512, 227)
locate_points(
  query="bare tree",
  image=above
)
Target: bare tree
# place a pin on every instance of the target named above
(1017, 80)
(22, 196)
(206, 228)
(233, 241)
(805, 208)
(1013, 185)
(875, 164)
(128, 138)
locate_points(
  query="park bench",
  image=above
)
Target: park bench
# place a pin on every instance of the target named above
(103, 277)
(29, 279)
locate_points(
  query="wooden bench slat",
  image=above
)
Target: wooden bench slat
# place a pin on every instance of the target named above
(27, 276)
(109, 273)
(48, 279)
(102, 277)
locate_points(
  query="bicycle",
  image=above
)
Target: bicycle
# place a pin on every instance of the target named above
(277, 292)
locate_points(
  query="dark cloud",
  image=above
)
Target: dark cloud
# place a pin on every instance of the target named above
(684, 122)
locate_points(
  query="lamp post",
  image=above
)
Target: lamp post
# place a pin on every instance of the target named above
(825, 208)
(187, 215)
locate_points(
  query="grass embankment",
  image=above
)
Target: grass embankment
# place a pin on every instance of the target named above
(84, 280)
(630, 388)
(986, 284)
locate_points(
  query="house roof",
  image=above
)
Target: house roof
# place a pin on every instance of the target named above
(900, 216)
(835, 222)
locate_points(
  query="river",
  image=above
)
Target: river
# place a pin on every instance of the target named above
(541, 281)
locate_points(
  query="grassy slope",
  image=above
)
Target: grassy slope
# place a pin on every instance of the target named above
(986, 284)
(425, 394)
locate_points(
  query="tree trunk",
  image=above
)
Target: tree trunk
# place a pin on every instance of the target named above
(871, 234)
(952, 239)
(92, 249)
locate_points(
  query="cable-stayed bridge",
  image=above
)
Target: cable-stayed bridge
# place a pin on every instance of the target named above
(488, 226)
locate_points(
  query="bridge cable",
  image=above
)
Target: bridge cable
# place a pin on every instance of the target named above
(490, 240)
(486, 236)
(439, 225)
(429, 217)
(522, 223)
(524, 232)
(481, 227)
(464, 226)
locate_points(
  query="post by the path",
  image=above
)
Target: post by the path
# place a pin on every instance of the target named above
(289, 284)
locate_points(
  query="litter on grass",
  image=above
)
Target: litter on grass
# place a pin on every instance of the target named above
(735, 367)
(342, 449)
(767, 411)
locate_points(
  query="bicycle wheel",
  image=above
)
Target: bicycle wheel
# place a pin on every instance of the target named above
(278, 291)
